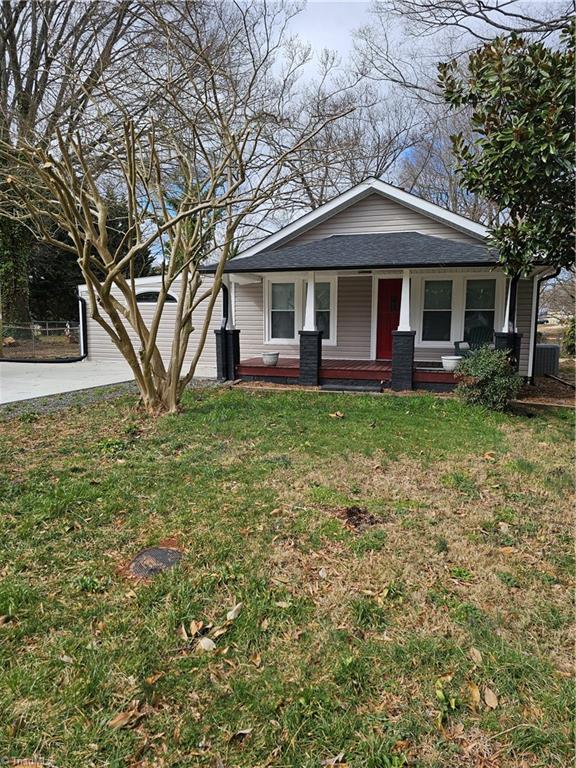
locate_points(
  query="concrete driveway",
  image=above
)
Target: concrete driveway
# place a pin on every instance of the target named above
(24, 381)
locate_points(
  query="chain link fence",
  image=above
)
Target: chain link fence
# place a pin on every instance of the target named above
(41, 340)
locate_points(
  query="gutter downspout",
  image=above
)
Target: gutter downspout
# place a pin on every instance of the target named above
(83, 327)
(538, 284)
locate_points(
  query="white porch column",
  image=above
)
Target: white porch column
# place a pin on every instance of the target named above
(506, 324)
(509, 324)
(404, 323)
(310, 311)
(227, 283)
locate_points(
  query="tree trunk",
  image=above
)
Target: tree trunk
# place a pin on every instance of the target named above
(157, 403)
(16, 244)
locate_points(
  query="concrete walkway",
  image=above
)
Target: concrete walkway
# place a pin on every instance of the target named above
(24, 381)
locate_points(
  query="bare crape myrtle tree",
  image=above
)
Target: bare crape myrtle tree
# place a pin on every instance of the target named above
(210, 144)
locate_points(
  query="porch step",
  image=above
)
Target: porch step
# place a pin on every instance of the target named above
(351, 387)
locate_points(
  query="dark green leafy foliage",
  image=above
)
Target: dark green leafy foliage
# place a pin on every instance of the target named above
(569, 338)
(521, 94)
(16, 244)
(486, 378)
(55, 273)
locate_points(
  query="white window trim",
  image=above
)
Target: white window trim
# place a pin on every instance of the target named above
(437, 343)
(458, 308)
(299, 297)
(319, 278)
(268, 307)
(469, 280)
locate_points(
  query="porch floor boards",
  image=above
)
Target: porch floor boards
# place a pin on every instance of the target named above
(289, 367)
(347, 370)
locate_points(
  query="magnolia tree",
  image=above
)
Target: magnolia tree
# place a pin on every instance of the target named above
(521, 156)
(211, 148)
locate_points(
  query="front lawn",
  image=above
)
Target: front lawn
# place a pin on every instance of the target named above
(404, 566)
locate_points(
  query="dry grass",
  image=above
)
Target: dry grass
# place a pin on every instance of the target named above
(373, 641)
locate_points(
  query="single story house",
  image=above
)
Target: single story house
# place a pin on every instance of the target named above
(369, 290)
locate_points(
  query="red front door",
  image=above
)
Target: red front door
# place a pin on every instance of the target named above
(389, 295)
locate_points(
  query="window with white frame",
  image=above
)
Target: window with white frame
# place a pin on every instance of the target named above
(480, 305)
(282, 311)
(322, 304)
(437, 310)
(286, 304)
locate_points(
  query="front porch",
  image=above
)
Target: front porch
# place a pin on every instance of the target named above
(371, 330)
(374, 375)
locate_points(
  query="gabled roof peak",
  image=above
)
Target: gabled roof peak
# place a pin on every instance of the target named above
(370, 185)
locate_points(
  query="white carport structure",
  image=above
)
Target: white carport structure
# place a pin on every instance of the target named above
(102, 349)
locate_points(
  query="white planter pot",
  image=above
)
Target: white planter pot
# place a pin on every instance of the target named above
(270, 358)
(450, 362)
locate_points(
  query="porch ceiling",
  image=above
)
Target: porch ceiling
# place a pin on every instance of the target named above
(373, 251)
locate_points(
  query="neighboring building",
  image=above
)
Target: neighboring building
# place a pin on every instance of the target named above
(397, 281)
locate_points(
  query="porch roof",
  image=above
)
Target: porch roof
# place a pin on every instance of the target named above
(371, 251)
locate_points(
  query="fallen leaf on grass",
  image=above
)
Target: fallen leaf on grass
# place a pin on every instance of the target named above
(336, 760)
(490, 456)
(337, 415)
(151, 679)
(282, 604)
(401, 746)
(233, 613)
(206, 645)
(264, 624)
(256, 659)
(128, 718)
(241, 734)
(98, 627)
(474, 694)
(475, 655)
(490, 698)
(195, 628)
(66, 659)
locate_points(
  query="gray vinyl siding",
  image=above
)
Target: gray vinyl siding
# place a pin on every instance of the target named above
(430, 354)
(378, 214)
(101, 347)
(353, 321)
(524, 300)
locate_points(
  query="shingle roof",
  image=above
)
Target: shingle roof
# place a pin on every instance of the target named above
(376, 251)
